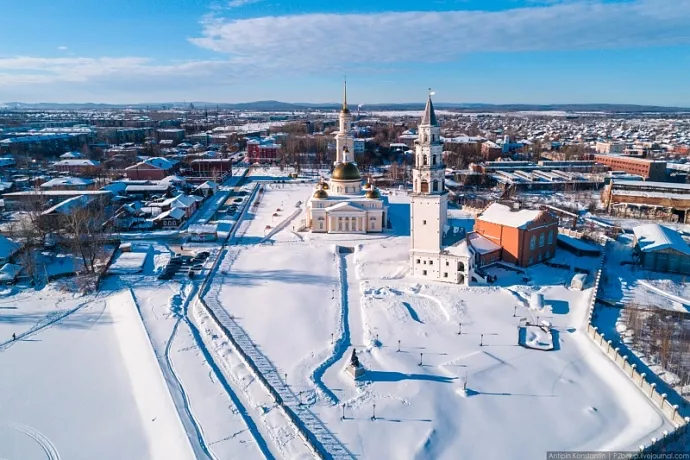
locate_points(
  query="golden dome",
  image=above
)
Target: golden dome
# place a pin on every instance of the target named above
(325, 186)
(346, 171)
(366, 186)
(320, 194)
(374, 194)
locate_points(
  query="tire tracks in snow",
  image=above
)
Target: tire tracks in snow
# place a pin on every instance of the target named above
(192, 427)
(41, 439)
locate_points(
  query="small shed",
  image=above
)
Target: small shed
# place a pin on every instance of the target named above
(203, 232)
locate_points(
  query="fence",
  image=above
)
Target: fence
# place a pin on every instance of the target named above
(648, 389)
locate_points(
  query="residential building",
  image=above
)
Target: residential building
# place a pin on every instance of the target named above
(609, 147)
(173, 135)
(155, 168)
(262, 151)
(359, 145)
(215, 169)
(78, 167)
(68, 183)
(491, 150)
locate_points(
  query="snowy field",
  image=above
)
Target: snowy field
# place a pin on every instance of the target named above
(80, 381)
(306, 307)
(140, 370)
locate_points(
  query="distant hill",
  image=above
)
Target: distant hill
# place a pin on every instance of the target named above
(277, 106)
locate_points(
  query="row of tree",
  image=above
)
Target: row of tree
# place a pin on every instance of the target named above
(83, 229)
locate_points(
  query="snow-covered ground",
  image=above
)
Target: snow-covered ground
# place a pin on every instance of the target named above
(290, 292)
(80, 381)
(141, 370)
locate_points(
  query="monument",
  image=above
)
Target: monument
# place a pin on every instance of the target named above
(355, 368)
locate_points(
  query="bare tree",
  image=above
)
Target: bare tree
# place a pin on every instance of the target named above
(88, 229)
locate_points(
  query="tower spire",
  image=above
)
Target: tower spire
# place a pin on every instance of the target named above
(429, 117)
(345, 109)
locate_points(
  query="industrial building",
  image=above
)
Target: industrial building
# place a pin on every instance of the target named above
(654, 170)
(660, 248)
(646, 199)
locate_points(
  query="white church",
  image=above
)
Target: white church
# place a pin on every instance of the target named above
(343, 205)
(429, 257)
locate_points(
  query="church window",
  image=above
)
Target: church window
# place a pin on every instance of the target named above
(435, 186)
(424, 262)
(431, 262)
(445, 274)
(533, 243)
(550, 237)
(541, 240)
(461, 267)
(447, 263)
(424, 272)
(547, 254)
(531, 260)
(426, 161)
(423, 222)
(419, 261)
(433, 160)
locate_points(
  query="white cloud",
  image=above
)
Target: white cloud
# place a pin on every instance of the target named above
(253, 50)
(239, 3)
(315, 41)
(62, 48)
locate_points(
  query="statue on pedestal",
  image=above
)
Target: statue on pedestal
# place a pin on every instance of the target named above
(355, 368)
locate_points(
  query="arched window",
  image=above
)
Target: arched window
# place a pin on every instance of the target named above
(461, 267)
(425, 186)
(550, 236)
(533, 242)
(435, 186)
(541, 240)
(426, 160)
(433, 160)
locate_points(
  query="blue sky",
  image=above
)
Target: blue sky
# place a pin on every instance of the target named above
(502, 51)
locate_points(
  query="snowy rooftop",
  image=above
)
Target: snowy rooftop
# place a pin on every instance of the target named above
(650, 184)
(67, 181)
(482, 244)
(501, 214)
(76, 163)
(655, 237)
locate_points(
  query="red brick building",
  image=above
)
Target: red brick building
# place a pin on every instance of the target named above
(259, 152)
(78, 167)
(491, 150)
(653, 170)
(155, 168)
(526, 236)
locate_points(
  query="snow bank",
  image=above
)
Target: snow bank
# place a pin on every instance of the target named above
(167, 438)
